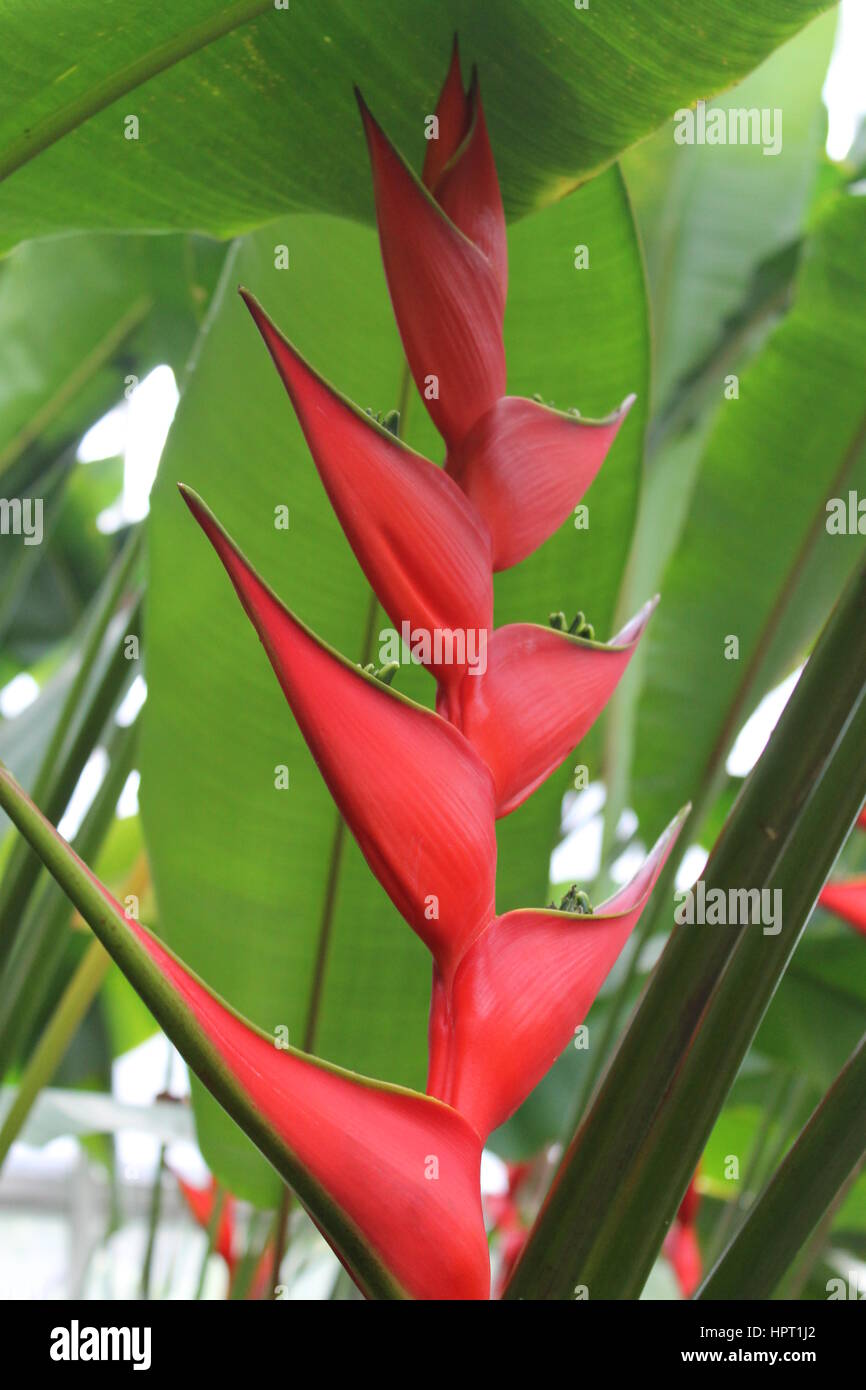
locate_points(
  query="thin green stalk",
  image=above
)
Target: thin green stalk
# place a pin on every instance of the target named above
(77, 729)
(155, 1211)
(800, 1192)
(30, 973)
(79, 995)
(281, 1233)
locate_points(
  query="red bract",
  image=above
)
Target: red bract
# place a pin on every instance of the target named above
(423, 547)
(540, 694)
(682, 1249)
(522, 988)
(360, 1140)
(681, 1245)
(201, 1202)
(526, 466)
(448, 301)
(847, 900)
(427, 832)
(508, 1222)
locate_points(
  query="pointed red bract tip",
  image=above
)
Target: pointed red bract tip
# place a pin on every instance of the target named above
(522, 989)
(371, 1148)
(541, 692)
(414, 793)
(453, 113)
(417, 537)
(846, 900)
(468, 191)
(447, 298)
(526, 467)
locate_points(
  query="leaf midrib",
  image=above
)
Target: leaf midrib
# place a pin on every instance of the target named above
(46, 132)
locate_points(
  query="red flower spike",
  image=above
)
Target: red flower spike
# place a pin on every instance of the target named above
(468, 192)
(201, 1202)
(426, 829)
(526, 467)
(847, 900)
(421, 544)
(446, 294)
(541, 692)
(861, 819)
(454, 113)
(522, 989)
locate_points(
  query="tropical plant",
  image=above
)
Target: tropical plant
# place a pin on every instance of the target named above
(637, 343)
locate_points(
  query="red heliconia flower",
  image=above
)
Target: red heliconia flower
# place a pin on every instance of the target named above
(861, 819)
(201, 1202)
(847, 900)
(521, 989)
(392, 1177)
(427, 828)
(524, 465)
(681, 1245)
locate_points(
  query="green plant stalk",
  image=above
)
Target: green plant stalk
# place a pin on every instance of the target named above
(799, 1193)
(153, 1219)
(180, 1024)
(630, 1162)
(77, 998)
(155, 1211)
(28, 977)
(69, 749)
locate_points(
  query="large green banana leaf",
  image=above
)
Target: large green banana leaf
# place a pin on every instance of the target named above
(262, 91)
